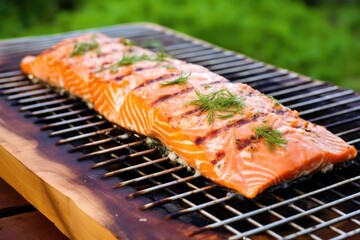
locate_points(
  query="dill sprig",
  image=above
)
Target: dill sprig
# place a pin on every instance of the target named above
(100, 69)
(168, 66)
(207, 86)
(273, 138)
(81, 48)
(153, 44)
(222, 101)
(126, 42)
(128, 60)
(156, 46)
(162, 56)
(180, 80)
(274, 100)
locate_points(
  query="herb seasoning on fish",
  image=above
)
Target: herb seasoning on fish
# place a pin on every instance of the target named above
(81, 48)
(126, 42)
(272, 138)
(181, 80)
(222, 101)
(274, 100)
(128, 60)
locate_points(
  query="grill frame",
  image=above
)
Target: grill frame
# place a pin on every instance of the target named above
(268, 79)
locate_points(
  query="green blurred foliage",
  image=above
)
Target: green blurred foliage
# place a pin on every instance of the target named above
(318, 38)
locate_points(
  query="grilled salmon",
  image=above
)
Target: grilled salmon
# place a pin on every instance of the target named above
(230, 133)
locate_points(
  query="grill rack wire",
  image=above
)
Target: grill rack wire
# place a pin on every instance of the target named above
(321, 206)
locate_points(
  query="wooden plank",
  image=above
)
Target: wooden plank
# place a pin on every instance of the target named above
(29, 226)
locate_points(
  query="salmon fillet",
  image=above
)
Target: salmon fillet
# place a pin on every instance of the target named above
(230, 133)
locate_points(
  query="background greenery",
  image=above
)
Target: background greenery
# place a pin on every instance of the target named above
(319, 38)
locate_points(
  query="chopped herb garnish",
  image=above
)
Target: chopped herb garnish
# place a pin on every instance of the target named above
(168, 66)
(128, 60)
(100, 69)
(153, 44)
(81, 48)
(274, 100)
(161, 56)
(180, 80)
(126, 42)
(207, 86)
(273, 138)
(222, 101)
(113, 68)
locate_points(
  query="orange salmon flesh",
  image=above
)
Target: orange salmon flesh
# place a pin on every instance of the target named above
(212, 125)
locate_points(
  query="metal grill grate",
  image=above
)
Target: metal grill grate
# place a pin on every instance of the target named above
(321, 206)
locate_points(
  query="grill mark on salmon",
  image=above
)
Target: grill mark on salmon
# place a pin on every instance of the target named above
(187, 90)
(212, 134)
(192, 111)
(120, 77)
(242, 143)
(168, 96)
(165, 77)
